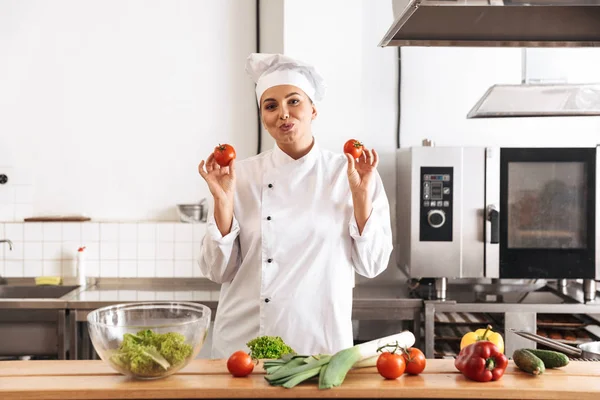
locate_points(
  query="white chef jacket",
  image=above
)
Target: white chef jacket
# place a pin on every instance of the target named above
(287, 266)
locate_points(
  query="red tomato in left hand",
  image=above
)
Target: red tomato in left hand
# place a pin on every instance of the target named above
(354, 148)
(240, 364)
(224, 153)
(415, 361)
(390, 365)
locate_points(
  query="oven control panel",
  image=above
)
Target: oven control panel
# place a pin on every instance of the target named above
(436, 204)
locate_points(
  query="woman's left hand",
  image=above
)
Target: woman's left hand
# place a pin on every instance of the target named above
(362, 171)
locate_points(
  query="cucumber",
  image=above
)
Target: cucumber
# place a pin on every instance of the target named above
(528, 362)
(551, 359)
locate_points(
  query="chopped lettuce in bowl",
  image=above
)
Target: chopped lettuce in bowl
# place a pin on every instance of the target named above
(149, 340)
(150, 354)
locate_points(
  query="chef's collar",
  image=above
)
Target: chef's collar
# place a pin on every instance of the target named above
(280, 158)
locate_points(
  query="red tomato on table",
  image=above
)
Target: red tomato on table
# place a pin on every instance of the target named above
(415, 361)
(390, 365)
(240, 364)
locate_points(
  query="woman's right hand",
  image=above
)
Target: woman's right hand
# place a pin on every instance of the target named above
(220, 180)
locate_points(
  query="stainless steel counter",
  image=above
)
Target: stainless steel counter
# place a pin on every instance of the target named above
(372, 301)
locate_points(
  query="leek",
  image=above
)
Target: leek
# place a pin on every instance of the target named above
(342, 361)
(289, 371)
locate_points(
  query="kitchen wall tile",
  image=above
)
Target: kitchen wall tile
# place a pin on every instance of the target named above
(127, 232)
(1, 267)
(52, 232)
(16, 253)
(127, 269)
(184, 250)
(146, 268)
(33, 268)
(146, 251)
(92, 268)
(183, 269)
(22, 176)
(51, 268)
(7, 212)
(184, 233)
(202, 296)
(196, 250)
(92, 251)
(6, 190)
(22, 211)
(127, 295)
(33, 232)
(109, 232)
(109, 251)
(164, 269)
(165, 250)
(109, 269)
(128, 251)
(7, 195)
(52, 250)
(69, 268)
(14, 231)
(184, 296)
(23, 194)
(146, 232)
(90, 232)
(13, 269)
(165, 232)
(165, 296)
(69, 250)
(145, 296)
(33, 251)
(71, 231)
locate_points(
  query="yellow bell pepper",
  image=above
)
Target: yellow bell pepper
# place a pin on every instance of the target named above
(483, 334)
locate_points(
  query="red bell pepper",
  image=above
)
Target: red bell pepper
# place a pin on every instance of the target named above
(481, 361)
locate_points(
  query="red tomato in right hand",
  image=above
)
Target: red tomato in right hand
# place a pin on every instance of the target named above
(390, 365)
(415, 361)
(224, 153)
(354, 148)
(240, 364)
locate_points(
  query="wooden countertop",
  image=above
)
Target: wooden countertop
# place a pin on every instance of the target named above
(25, 380)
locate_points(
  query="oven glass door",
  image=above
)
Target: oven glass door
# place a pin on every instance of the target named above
(547, 218)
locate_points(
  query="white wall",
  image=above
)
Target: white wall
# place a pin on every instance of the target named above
(441, 85)
(106, 107)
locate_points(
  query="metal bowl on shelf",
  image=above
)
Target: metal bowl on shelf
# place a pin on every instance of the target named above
(149, 340)
(193, 213)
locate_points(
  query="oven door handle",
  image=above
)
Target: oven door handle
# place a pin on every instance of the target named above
(493, 215)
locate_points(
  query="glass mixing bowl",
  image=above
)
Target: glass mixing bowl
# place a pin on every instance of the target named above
(149, 340)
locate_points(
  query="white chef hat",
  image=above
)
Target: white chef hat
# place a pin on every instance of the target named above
(268, 70)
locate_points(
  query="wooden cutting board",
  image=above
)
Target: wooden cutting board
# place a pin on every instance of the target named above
(210, 379)
(58, 218)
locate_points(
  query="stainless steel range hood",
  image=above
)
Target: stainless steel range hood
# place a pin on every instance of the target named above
(486, 23)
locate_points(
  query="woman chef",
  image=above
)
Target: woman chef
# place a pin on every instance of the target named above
(292, 225)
